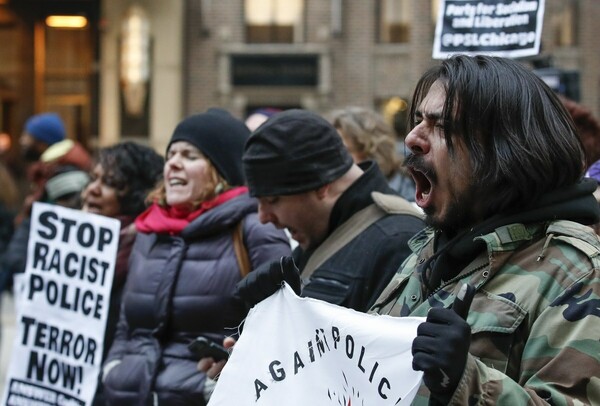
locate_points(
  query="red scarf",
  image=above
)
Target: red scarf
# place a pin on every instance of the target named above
(169, 220)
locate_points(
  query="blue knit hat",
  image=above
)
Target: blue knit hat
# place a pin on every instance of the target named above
(46, 127)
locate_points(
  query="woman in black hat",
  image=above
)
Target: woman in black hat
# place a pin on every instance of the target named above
(194, 243)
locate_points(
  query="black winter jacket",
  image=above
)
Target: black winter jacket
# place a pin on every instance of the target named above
(178, 288)
(6, 233)
(16, 253)
(356, 274)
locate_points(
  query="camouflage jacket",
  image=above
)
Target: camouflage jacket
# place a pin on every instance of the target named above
(535, 317)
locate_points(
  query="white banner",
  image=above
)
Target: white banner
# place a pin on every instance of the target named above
(301, 351)
(63, 306)
(507, 28)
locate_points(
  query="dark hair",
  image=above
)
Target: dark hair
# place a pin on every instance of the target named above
(133, 170)
(521, 140)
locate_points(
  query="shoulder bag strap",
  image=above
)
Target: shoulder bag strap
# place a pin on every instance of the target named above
(342, 236)
(360, 221)
(241, 252)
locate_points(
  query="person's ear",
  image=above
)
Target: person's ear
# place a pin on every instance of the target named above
(323, 191)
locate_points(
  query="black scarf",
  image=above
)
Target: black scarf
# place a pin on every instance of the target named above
(575, 203)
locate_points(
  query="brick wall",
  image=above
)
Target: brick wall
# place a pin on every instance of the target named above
(362, 71)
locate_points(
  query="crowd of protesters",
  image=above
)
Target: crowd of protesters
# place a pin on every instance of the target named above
(498, 192)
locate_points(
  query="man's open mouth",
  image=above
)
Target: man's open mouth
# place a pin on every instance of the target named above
(423, 187)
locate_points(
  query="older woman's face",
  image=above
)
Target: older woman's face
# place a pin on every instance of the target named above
(99, 197)
(186, 174)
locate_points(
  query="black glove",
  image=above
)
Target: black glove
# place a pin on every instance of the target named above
(441, 347)
(266, 280)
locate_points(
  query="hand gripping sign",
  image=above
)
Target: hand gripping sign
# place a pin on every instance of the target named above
(302, 351)
(63, 305)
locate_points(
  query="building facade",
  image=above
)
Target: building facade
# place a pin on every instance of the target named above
(368, 53)
(138, 67)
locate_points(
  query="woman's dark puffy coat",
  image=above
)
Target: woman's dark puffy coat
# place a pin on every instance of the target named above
(178, 288)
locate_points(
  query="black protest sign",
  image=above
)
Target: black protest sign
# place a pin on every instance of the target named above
(508, 28)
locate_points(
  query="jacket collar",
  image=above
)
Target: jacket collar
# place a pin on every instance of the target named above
(444, 260)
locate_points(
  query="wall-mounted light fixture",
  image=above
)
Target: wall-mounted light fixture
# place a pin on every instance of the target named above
(135, 59)
(393, 107)
(57, 21)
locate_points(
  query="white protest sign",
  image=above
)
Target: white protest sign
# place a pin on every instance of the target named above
(63, 307)
(507, 28)
(301, 351)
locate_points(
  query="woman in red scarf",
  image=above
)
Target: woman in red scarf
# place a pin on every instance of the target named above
(183, 268)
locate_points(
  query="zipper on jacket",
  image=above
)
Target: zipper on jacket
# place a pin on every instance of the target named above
(456, 278)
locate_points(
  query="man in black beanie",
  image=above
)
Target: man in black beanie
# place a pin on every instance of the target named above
(352, 229)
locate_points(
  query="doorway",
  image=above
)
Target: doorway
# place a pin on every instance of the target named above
(60, 73)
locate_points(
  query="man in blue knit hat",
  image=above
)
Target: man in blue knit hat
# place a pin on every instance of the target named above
(45, 147)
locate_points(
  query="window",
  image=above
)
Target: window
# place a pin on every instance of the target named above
(564, 24)
(394, 21)
(435, 9)
(274, 21)
(64, 58)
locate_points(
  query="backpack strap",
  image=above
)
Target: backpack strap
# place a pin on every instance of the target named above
(393, 204)
(241, 252)
(382, 206)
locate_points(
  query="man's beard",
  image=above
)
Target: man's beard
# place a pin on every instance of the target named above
(461, 213)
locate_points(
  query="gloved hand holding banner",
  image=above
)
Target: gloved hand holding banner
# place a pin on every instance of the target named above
(302, 351)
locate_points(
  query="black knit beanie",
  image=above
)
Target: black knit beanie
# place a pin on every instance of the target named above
(293, 152)
(220, 137)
